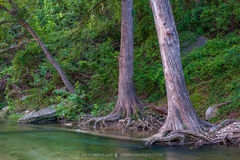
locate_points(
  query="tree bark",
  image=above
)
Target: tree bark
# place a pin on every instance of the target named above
(181, 114)
(128, 101)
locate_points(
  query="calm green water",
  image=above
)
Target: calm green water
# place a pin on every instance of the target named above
(38, 143)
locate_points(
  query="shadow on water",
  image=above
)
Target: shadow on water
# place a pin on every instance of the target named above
(36, 142)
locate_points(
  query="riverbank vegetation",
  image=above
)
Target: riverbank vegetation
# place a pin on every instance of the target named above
(84, 39)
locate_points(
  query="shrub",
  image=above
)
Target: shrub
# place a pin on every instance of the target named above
(220, 18)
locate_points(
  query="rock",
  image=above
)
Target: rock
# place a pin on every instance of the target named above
(211, 112)
(201, 41)
(3, 112)
(27, 112)
(68, 124)
(42, 116)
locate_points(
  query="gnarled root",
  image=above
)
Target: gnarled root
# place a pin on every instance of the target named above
(178, 137)
(135, 118)
(189, 137)
(165, 140)
(148, 122)
(102, 120)
(129, 105)
(140, 124)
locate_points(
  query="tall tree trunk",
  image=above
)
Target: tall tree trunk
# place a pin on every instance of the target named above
(128, 102)
(181, 114)
(50, 58)
(127, 98)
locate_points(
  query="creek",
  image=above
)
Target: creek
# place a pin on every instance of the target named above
(41, 142)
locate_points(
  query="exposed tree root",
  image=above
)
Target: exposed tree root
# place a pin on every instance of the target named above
(180, 137)
(137, 122)
(158, 109)
(188, 137)
(148, 123)
(222, 124)
(174, 137)
(128, 114)
(102, 120)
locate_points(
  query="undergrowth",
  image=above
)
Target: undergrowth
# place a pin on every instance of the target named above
(87, 48)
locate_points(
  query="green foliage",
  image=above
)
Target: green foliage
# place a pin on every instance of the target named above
(69, 106)
(217, 57)
(148, 71)
(187, 38)
(2, 105)
(86, 43)
(102, 109)
(221, 17)
(187, 19)
(213, 72)
(15, 116)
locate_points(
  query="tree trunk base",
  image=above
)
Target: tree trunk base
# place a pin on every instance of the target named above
(125, 118)
(102, 120)
(179, 137)
(188, 137)
(148, 123)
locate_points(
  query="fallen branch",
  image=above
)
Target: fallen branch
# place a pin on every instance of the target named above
(5, 9)
(160, 110)
(222, 124)
(13, 48)
(222, 104)
(3, 22)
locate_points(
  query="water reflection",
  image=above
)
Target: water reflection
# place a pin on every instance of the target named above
(36, 143)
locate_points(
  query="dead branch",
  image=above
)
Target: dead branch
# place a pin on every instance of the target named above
(3, 22)
(158, 109)
(16, 47)
(222, 104)
(222, 124)
(5, 9)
